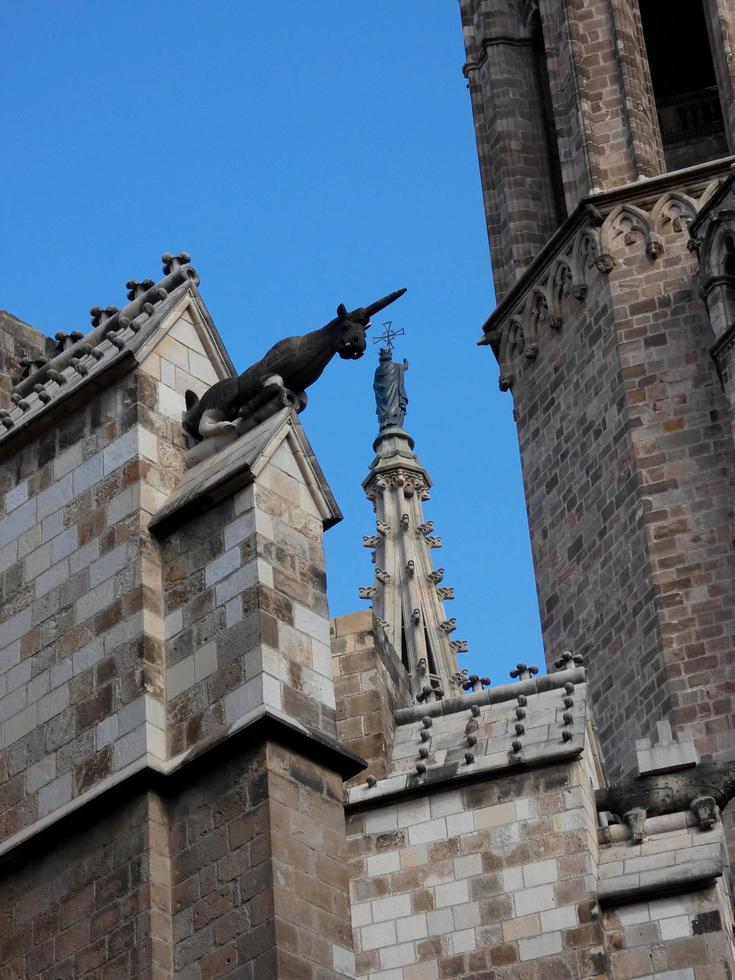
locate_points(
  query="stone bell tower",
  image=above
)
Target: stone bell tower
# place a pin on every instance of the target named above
(598, 152)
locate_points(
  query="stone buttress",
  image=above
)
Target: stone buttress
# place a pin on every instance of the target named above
(170, 778)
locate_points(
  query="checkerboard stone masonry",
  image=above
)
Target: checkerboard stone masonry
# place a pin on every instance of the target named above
(179, 789)
(370, 684)
(497, 868)
(82, 622)
(125, 656)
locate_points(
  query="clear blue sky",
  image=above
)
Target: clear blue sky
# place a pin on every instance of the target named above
(306, 154)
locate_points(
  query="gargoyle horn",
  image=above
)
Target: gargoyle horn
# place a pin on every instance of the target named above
(381, 304)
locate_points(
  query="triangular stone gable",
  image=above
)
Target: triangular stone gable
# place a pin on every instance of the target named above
(99, 355)
(278, 444)
(285, 466)
(184, 352)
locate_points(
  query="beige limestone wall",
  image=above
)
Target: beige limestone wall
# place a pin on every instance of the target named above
(370, 684)
(245, 610)
(81, 622)
(497, 876)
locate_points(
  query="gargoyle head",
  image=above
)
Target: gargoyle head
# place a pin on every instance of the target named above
(351, 328)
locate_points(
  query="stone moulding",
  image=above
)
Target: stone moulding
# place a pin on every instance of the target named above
(719, 353)
(602, 227)
(59, 387)
(488, 762)
(262, 724)
(237, 465)
(407, 785)
(639, 886)
(492, 695)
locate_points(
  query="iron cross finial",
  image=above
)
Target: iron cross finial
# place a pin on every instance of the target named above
(388, 334)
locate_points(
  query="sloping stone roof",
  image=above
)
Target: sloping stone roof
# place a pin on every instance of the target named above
(116, 335)
(484, 734)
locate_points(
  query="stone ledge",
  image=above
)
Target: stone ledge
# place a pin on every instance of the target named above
(407, 785)
(237, 465)
(634, 192)
(491, 695)
(149, 772)
(661, 881)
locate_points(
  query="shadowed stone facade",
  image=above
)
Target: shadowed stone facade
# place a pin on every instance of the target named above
(201, 776)
(603, 335)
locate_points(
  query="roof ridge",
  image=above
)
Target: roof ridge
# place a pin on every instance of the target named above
(113, 331)
(106, 321)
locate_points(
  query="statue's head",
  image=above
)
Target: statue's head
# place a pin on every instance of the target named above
(384, 354)
(351, 332)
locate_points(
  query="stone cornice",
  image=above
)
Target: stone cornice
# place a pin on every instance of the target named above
(604, 202)
(492, 695)
(81, 361)
(438, 778)
(592, 241)
(149, 772)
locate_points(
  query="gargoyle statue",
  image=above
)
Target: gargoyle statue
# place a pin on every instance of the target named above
(282, 376)
(701, 789)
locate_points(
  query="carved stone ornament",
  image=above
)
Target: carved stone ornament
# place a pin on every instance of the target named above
(409, 481)
(288, 369)
(390, 390)
(702, 789)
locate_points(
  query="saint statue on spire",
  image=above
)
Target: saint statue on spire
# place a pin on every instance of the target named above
(390, 391)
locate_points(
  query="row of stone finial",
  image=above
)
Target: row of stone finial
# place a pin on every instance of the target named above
(472, 684)
(108, 323)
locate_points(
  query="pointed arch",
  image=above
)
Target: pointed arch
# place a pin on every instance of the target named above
(673, 210)
(624, 226)
(585, 256)
(512, 331)
(717, 271)
(559, 287)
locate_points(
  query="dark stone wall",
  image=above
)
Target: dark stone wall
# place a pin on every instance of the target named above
(78, 903)
(589, 547)
(628, 458)
(234, 867)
